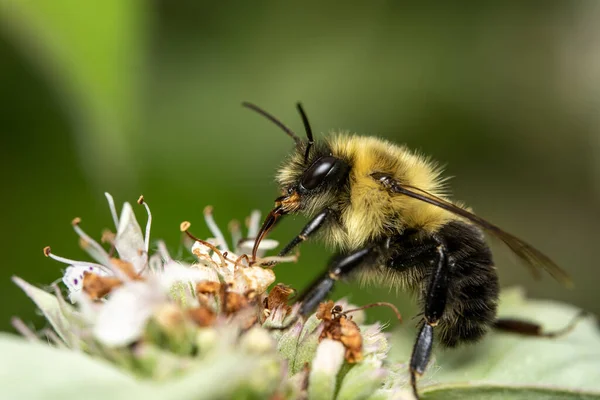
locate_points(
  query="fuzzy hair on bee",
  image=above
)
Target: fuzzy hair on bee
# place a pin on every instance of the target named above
(366, 209)
(365, 212)
(386, 212)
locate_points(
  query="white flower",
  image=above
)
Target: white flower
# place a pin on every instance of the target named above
(137, 283)
(176, 271)
(241, 244)
(245, 246)
(182, 315)
(123, 317)
(130, 243)
(234, 269)
(375, 343)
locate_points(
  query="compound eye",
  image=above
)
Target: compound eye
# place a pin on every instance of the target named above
(317, 172)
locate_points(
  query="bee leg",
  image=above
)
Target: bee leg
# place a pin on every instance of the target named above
(339, 267)
(528, 328)
(312, 227)
(435, 303)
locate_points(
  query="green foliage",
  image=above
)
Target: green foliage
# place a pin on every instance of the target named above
(491, 392)
(93, 57)
(36, 371)
(510, 366)
(54, 310)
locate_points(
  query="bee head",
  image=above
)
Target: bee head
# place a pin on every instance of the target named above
(309, 179)
(309, 185)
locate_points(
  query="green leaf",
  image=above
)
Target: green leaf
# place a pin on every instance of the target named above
(36, 371)
(226, 375)
(489, 392)
(511, 366)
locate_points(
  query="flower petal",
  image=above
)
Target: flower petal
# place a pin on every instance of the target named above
(375, 343)
(123, 317)
(253, 278)
(257, 341)
(325, 366)
(129, 241)
(73, 278)
(176, 272)
(201, 250)
(245, 247)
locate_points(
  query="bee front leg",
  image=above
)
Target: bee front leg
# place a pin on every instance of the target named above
(310, 229)
(435, 303)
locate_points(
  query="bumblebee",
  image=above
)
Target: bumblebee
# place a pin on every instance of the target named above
(384, 208)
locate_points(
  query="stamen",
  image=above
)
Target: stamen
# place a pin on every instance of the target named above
(113, 209)
(212, 225)
(48, 253)
(146, 264)
(378, 304)
(236, 232)
(99, 250)
(272, 261)
(55, 282)
(238, 262)
(23, 329)
(108, 237)
(148, 224)
(185, 225)
(253, 224)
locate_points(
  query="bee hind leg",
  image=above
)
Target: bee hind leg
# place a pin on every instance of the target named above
(528, 328)
(435, 303)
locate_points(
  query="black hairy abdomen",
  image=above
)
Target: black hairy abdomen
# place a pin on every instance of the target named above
(473, 287)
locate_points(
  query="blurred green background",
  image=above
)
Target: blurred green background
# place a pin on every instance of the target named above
(137, 97)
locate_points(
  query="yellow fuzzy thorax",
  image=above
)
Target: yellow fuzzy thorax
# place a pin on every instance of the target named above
(372, 211)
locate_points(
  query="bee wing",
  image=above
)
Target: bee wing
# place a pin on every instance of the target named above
(532, 257)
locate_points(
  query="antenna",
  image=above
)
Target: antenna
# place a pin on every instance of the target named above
(308, 130)
(265, 114)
